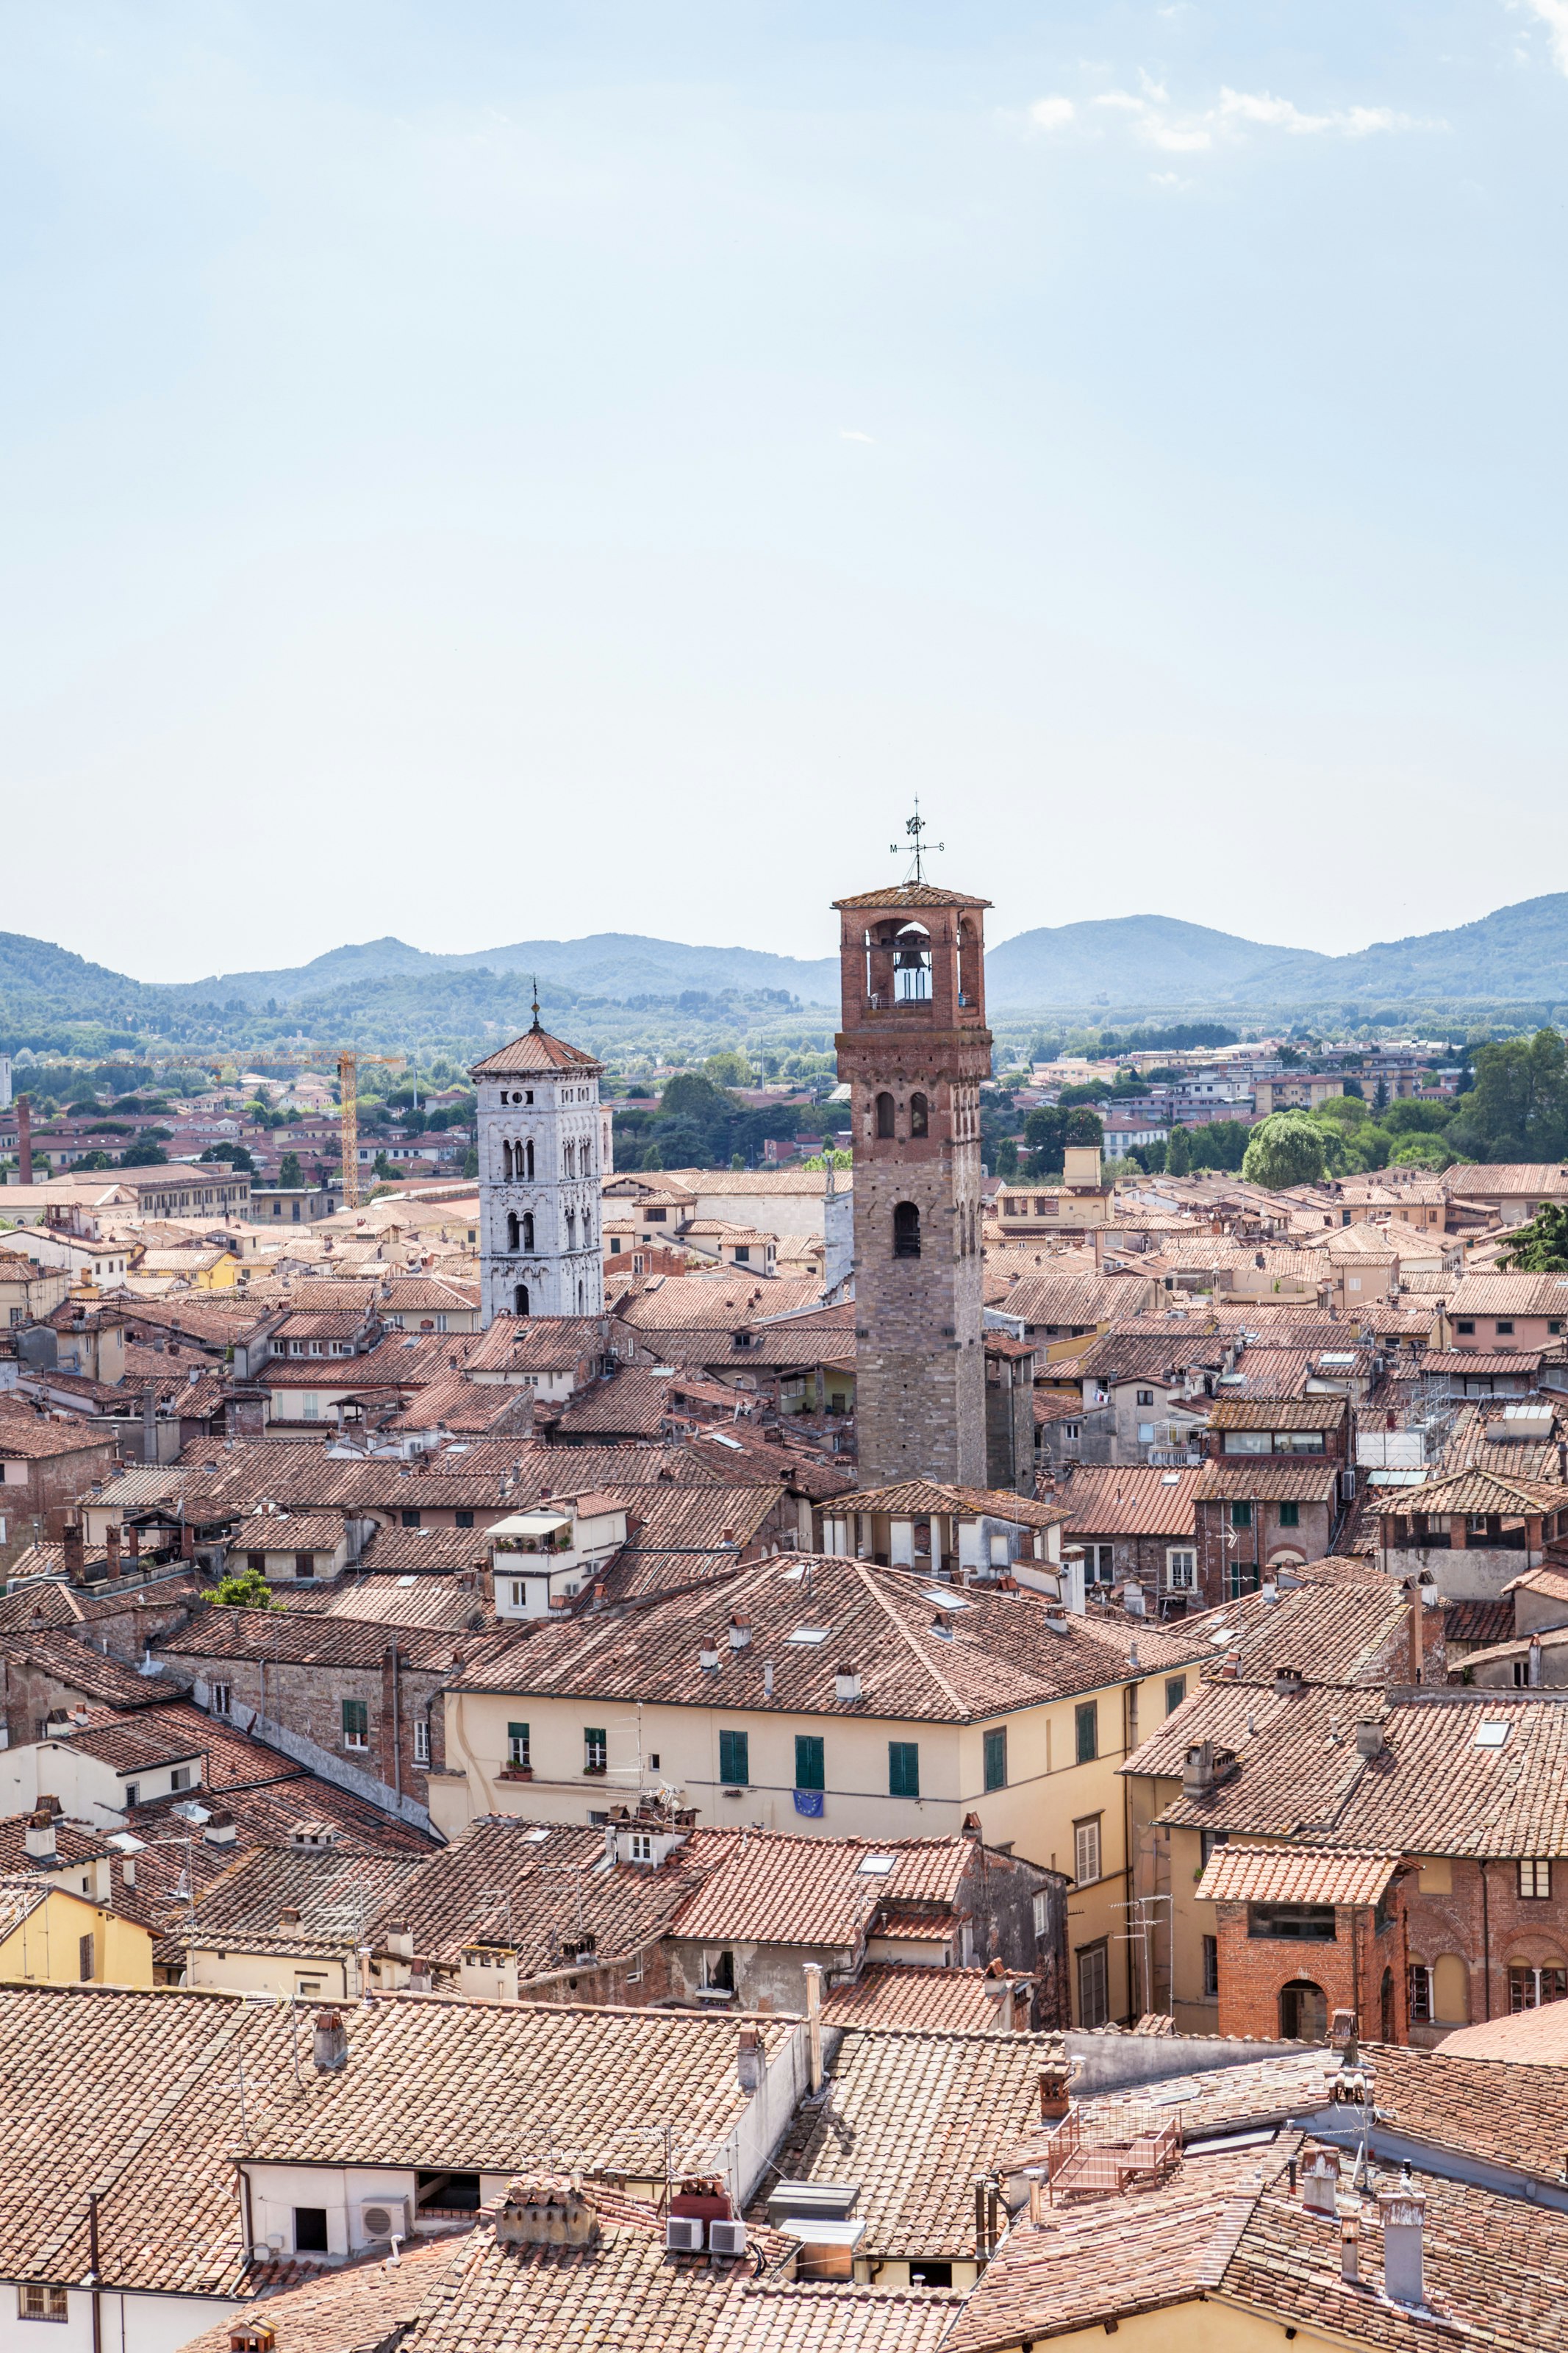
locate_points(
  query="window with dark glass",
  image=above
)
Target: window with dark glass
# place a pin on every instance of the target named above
(996, 1759)
(906, 1231)
(810, 1762)
(1305, 1924)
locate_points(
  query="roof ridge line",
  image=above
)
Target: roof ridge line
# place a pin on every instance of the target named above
(897, 1622)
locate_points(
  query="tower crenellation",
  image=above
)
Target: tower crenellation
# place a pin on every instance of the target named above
(542, 1155)
(913, 1050)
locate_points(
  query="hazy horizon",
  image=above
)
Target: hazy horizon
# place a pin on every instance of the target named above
(476, 474)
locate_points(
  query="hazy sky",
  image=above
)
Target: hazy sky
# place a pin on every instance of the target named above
(485, 471)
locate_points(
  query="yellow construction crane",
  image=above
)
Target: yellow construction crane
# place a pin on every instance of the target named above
(348, 1059)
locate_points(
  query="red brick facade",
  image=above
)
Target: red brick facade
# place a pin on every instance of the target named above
(1362, 1967)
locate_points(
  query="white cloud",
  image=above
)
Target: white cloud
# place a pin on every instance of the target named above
(1236, 113)
(1171, 180)
(1052, 113)
(847, 433)
(1554, 15)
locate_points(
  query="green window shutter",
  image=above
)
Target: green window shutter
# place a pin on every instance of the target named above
(356, 1719)
(810, 1764)
(996, 1759)
(1175, 1692)
(1085, 1721)
(903, 1768)
(1241, 1516)
(1289, 1515)
(734, 1759)
(517, 1747)
(595, 1749)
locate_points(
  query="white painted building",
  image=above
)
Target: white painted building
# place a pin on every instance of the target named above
(542, 1155)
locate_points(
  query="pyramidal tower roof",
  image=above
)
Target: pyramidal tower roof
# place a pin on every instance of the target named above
(536, 1049)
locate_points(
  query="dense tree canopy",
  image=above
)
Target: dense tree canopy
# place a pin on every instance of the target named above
(1290, 1148)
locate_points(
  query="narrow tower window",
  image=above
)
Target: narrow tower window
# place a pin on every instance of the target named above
(511, 1229)
(918, 1115)
(906, 1231)
(506, 1164)
(527, 1228)
(884, 1115)
(527, 1159)
(519, 1300)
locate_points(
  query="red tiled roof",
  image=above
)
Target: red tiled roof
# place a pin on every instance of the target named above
(536, 1049)
(896, 1993)
(1295, 1874)
(1135, 1501)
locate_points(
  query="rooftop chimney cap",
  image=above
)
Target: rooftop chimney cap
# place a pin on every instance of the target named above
(1369, 1736)
(330, 2043)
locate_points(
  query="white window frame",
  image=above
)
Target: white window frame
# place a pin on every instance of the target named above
(222, 1699)
(1087, 1856)
(1181, 1568)
(421, 1740)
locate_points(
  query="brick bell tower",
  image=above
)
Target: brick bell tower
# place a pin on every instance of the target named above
(913, 1050)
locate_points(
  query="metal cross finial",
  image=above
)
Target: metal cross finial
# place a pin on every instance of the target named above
(533, 976)
(916, 827)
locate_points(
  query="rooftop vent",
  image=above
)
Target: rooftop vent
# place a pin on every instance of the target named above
(1369, 1737)
(550, 2210)
(1289, 1682)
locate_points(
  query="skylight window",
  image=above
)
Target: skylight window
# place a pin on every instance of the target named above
(876, 1866)
(1491, 1736)
(808, 1634)
(407, 1580)
(945, 1600)
(535, 1837)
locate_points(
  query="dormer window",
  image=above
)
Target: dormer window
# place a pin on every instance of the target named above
(642, 1846)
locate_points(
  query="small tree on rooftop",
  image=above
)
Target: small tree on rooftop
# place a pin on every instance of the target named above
(243, 1589)
(1542, 1246)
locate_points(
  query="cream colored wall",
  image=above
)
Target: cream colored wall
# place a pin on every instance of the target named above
(274, 1973)
(1047, 1790)
(45, 1950)
(1204, 2325)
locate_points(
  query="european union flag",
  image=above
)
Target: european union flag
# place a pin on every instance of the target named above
(809, 1801)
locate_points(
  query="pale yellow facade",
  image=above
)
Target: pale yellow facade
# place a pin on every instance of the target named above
(1052, 1808)
(1210, 2324)
(68, 1939)
(330, 1975)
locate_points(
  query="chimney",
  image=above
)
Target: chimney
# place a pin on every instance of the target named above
(1054, 2103)
(1533, 1670)
(330, 2045)
(1369, 1737)
(1417, 1631)
(845, 1681)
(813, 2022)
(289, 1916)
(1197, 1773)
(749, 2065)
(40, 1836)
(220, 1830)
(1289, 1682)
(112, 1553)
(708, 1655)
(1230, 1667)
(400, 1940)
(75, 1551)
(1348, 2207)
(1404, 2211)
(740, 1633)
(25, 1139)
(1321, 2180)
(132, 1541)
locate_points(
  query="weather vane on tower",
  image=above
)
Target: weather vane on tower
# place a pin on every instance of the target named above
(916, 827)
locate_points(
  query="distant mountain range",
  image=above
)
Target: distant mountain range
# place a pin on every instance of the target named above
(1518, 956)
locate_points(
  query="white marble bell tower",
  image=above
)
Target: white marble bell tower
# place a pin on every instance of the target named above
(540, 1153)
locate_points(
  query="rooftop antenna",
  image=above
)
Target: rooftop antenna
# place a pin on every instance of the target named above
(916, 827)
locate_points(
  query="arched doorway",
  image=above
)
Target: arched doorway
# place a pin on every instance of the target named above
(1303, 2011)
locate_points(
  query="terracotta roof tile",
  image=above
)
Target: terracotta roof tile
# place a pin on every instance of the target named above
(536, 1049)
(1295, 1874)
(898, 1994)
(1135, 1501)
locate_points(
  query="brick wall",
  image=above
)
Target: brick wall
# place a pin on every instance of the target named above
(1469, 1924)
(1220, 1562)
(1350, 1970)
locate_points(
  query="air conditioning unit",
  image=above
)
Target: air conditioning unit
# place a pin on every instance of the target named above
(726, 2237)
(384, 2217)
(683, 2235)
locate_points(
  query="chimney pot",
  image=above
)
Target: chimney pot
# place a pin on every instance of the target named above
(330, 2045)
(39, 1836)
(1369, 1737)
(1288, 1682)
(845, 1681)
(1403, 2208)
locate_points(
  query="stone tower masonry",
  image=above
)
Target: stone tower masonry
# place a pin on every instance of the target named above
(542, 1150)
(913, 1051)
